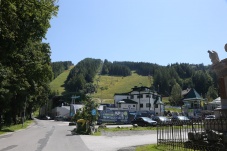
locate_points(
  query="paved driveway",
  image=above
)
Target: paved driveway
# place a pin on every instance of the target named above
(115, 143)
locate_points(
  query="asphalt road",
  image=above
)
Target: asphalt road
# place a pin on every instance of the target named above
(45, 135)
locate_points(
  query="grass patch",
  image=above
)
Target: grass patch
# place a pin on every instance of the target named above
(139, 128)
(14, 128)
(116, 84)
(173, 109)
(154, 147)
(115, 129)
(165, 100)
(36, 113)
(97, 133)
(57, 85)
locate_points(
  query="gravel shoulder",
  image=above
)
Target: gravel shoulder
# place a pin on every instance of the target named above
(126, 133)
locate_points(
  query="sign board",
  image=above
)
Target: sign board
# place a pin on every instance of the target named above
(93, 112)
(113, 116)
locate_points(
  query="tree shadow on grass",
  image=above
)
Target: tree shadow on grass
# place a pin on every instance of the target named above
(6, 130)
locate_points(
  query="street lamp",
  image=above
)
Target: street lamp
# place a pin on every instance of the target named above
(149, 99)
(139, 99)
(139, 94)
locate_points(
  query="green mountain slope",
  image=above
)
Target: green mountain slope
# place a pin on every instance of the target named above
(107, 85)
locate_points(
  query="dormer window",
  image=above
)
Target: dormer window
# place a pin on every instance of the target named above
(132, 96)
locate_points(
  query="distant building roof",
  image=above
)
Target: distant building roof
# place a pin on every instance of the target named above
(139, 88)
(184, 92)
(121, 93)
(192, 95)
(127, 101)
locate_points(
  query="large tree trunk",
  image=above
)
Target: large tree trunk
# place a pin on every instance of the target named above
(0, 119)
(14, 110)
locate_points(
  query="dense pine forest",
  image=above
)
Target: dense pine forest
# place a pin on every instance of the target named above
(60, 66)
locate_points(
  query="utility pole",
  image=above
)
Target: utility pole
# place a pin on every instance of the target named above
(149, 99)
(139, 99)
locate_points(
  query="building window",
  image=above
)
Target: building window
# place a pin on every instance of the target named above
(134, 105)
(141, 105)
(147, 96)
(119, 105)
(156, 105)
(132, 96)
(148, 104)
(139, 96)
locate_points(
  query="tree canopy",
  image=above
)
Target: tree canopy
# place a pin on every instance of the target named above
(25, 59)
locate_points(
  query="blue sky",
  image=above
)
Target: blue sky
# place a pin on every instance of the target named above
(154, 31)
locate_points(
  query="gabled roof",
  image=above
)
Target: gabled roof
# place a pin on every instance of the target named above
(184, 92)
(139, 88)
(192, 95)
(127, 101)
(120, 93)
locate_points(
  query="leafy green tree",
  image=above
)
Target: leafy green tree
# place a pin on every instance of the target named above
(85, 113)
(23, 55)
(212, 93)
(84, 72)
(202, 81)
(89, 105)
(175, 97)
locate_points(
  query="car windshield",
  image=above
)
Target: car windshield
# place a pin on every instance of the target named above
(162, 118)
(183, 118)
(210, 116)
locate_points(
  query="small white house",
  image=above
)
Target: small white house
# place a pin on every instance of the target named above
(127, 104)
(61, 111)
(139, 99)
(74, 108)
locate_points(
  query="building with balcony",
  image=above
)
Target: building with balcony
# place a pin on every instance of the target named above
(140, 99)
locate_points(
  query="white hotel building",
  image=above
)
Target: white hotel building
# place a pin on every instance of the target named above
(139, 99)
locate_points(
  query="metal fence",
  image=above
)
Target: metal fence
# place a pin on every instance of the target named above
(204, 135)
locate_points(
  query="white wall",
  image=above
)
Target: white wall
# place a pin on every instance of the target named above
(144, 100)
(130, 107)
(118, 98)
(61, 111)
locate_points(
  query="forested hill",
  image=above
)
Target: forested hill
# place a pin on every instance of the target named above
(60, 66)
(165, 78)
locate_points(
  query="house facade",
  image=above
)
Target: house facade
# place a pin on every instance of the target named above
(139, 99)
(193, 103)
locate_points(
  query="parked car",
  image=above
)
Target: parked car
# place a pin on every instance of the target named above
(144, 121)
(45, 117)
(59, 118)
(180, 120)
(162, 120)
(72, 123)
(208, 117)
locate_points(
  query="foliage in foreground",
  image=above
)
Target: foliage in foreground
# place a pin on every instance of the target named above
(25, 70)
(84, 117)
